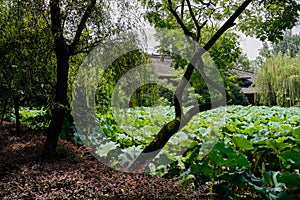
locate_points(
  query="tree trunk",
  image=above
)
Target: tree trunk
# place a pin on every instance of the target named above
(61, 96)
(5, 102)
(61, 100)
(17, 114)
(63, 52)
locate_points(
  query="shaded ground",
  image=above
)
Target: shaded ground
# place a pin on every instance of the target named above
(75, 175)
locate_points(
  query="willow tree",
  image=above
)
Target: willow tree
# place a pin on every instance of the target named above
(266, 19)
(77, 27)
(26, 69)
(278, 81)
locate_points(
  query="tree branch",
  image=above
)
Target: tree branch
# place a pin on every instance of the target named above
(184, 81)
(182, 9)
(228, 24)
(81, 26)
(207, 4)
(164, 135)
(87, 48)
(198, 28)
(179, 21)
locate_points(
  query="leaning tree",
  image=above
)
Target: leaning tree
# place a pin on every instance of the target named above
(266, 19)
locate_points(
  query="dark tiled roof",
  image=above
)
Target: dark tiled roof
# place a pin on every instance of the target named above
(244, 74)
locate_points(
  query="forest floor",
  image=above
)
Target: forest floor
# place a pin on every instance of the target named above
(75, 174)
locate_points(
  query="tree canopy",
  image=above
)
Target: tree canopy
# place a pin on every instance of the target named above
(27, 70)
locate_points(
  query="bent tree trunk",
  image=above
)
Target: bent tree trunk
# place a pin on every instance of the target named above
(163, 136)
(171, 128)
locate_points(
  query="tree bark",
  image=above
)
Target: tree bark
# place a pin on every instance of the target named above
(61, 101)
(61, 97)
(17, 114)
(5, 102)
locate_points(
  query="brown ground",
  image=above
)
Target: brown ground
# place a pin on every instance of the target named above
(75, 175)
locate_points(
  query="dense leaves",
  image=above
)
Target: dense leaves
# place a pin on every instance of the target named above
(252, 150)
(26, 69)
(251, 142)
(278, 81)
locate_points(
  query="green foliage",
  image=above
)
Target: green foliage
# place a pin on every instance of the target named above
(236, 97)
(147, 95)
(25, 42)
(263, 140)
(226, 51)
(26, 69)
(269, 19)
(234, 94)
(277, 80)
(289, 45)
(38, 119)
(266, 19)
(34, 118)
(268, 186)
(258, 147)
(112, 75)
(68, 129)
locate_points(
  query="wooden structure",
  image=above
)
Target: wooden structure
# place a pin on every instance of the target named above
(246, 79)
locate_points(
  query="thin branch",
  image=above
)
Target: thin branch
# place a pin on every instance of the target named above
(182, 9)
(46, 19)
(207, 4)
(179, 21)
(228, 24)
(203, 24)
(81, 26)
(88, 48)
(198, 28)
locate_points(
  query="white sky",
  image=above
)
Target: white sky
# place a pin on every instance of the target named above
(251, 46)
